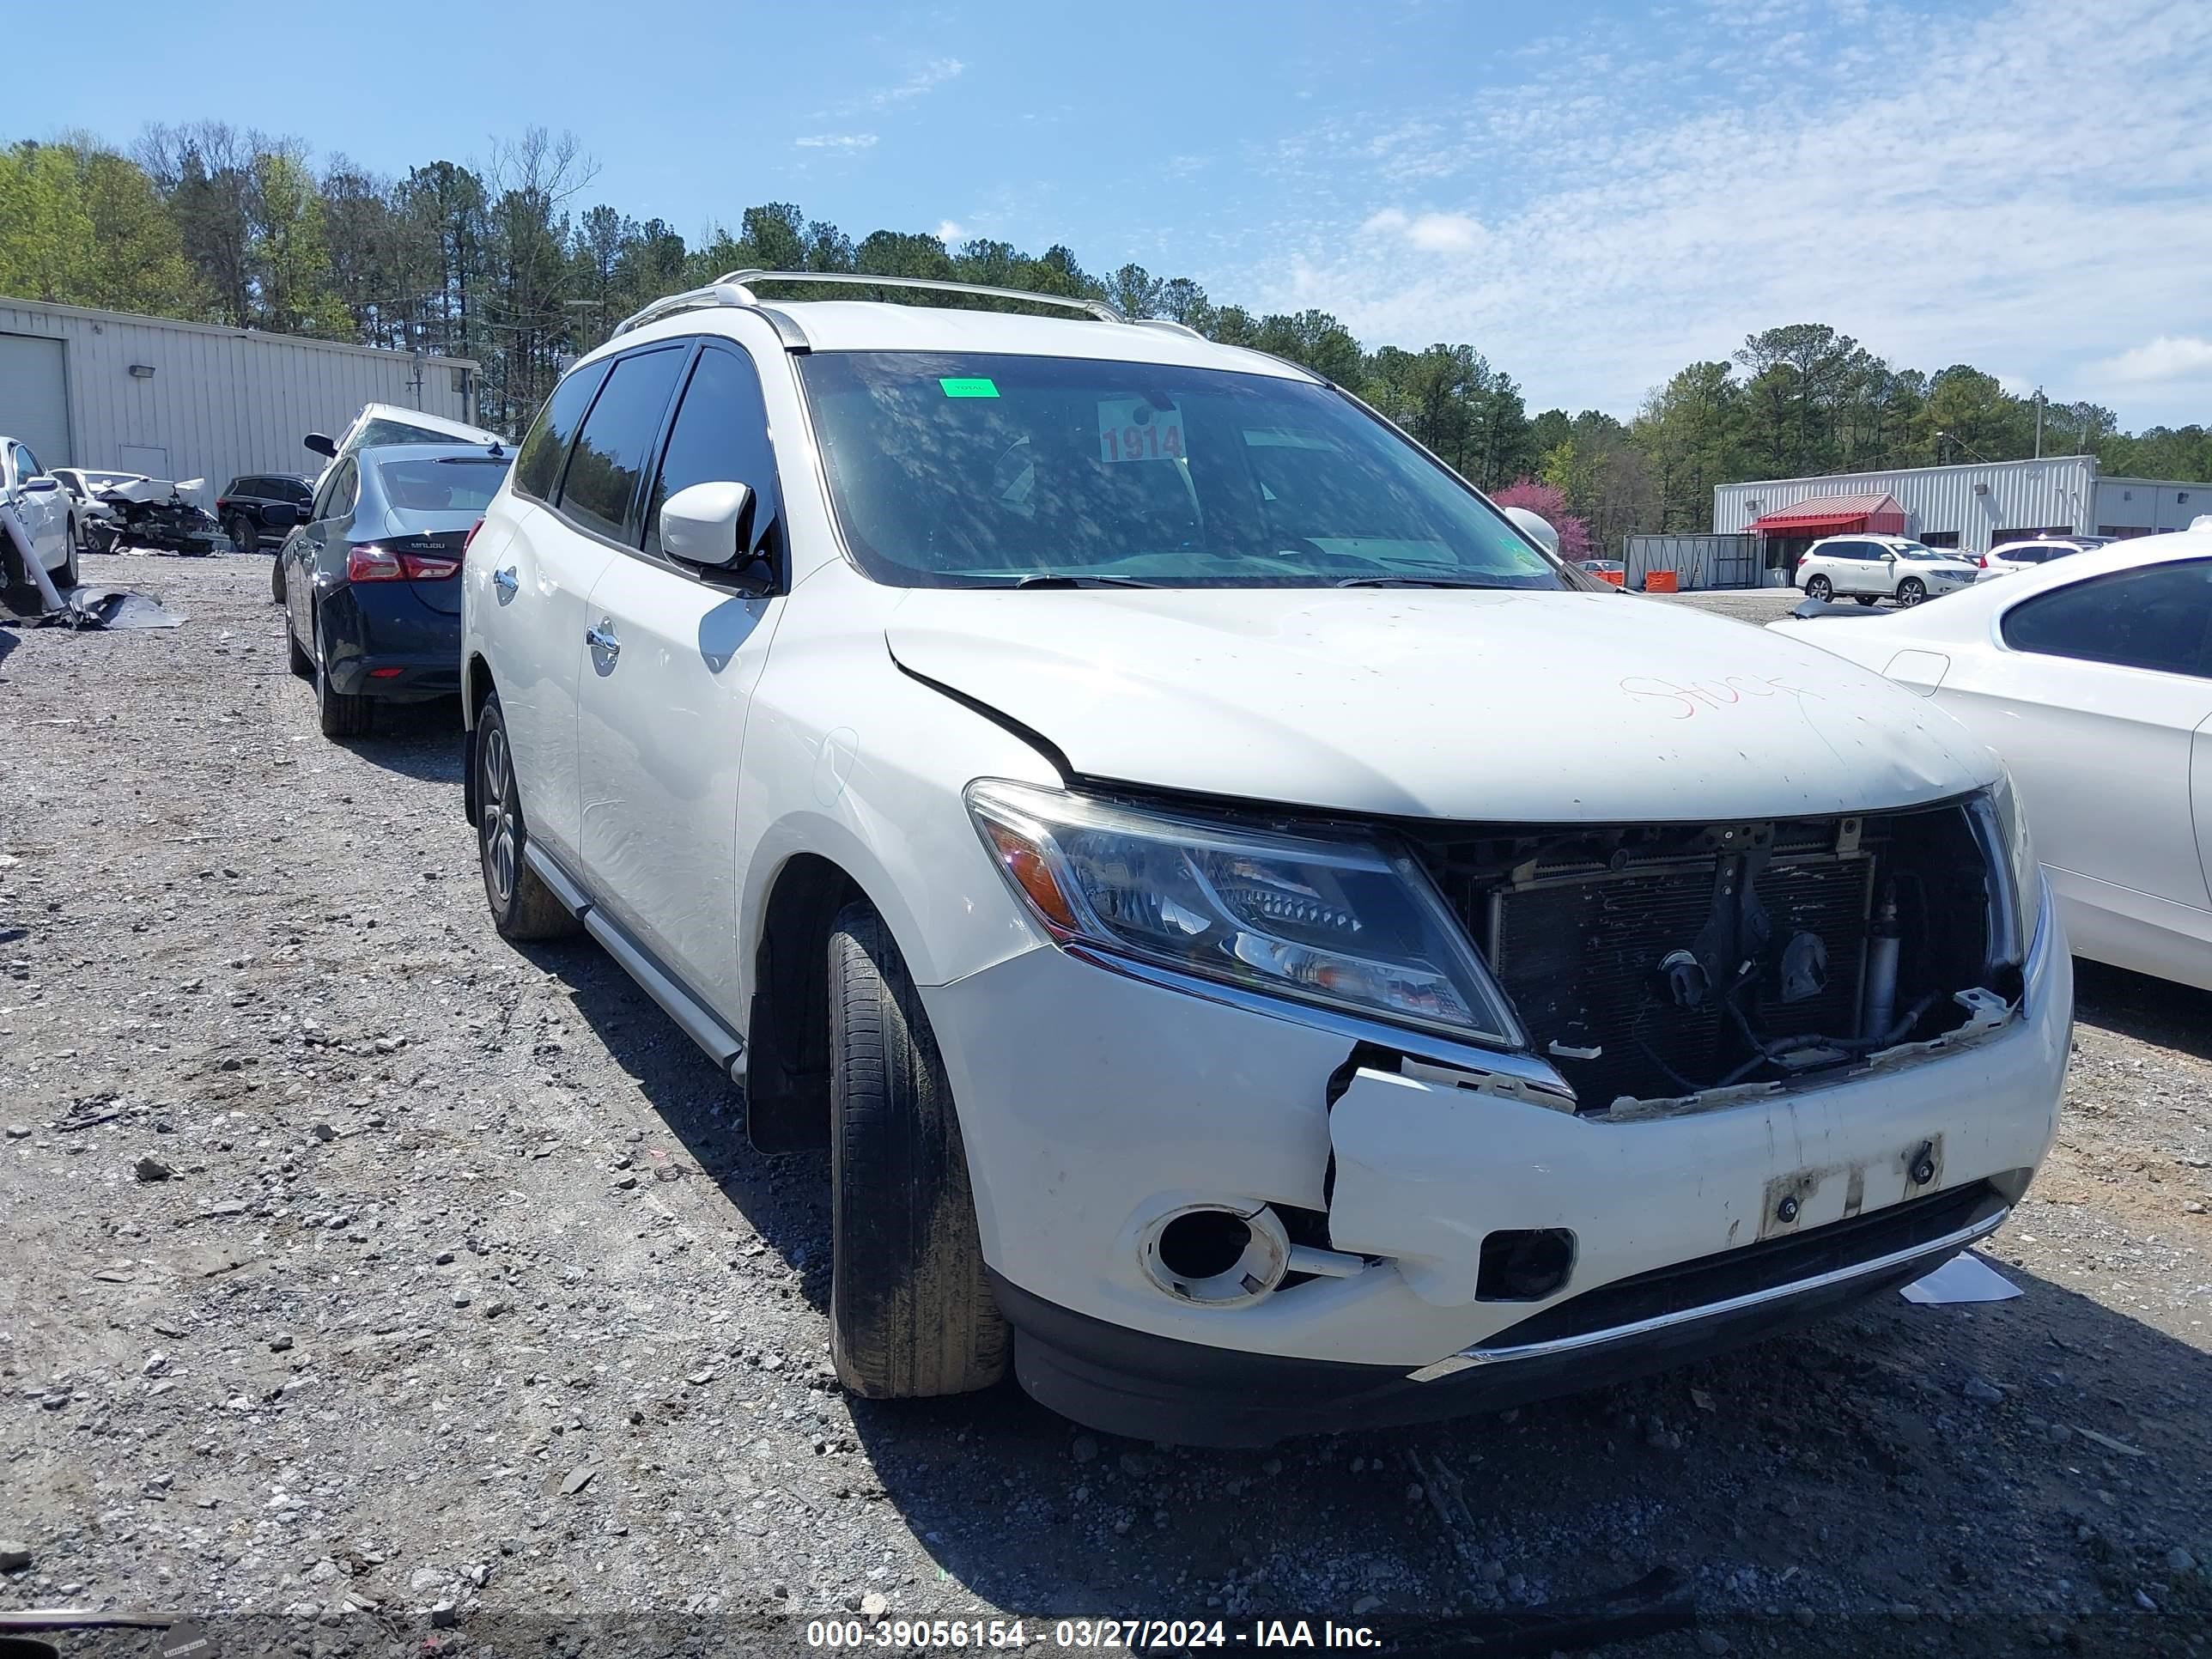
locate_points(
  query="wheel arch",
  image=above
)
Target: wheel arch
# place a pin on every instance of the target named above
(788, 1024)
(475, 690)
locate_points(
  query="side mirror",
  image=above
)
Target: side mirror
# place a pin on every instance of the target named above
(1537, 528)
(280, 515)
(41, 484)
(322, 444)
(710, 525)
(1889, 558)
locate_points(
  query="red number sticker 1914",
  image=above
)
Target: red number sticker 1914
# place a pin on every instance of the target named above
(1135, 430)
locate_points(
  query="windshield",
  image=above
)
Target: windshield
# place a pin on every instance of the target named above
(457, 485)
(1915, 550)
(985, 470)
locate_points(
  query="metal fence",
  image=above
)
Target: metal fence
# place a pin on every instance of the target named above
(1695, 560)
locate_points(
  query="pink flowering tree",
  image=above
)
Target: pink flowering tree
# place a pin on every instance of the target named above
(1548, 502)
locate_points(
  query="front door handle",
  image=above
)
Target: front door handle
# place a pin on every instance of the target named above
(602, 638)
(505, 580)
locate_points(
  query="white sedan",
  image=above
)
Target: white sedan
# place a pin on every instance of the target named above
(2010, 558)
(2092, 676)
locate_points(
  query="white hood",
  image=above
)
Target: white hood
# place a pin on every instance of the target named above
(1505, 707)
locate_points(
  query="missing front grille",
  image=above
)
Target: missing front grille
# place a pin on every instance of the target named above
(1649, 962)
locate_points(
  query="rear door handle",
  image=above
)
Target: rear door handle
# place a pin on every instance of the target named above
(602, 638)
(505, 580)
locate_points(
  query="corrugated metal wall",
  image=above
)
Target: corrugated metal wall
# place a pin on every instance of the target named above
(2140, 506)
(1697, 561)
(220, 402)
(1973, 502)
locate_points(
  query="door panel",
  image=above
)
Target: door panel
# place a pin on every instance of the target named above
(660, 728)
(540, 657)
(662, 709)
(2200, 785)
(2102, 755)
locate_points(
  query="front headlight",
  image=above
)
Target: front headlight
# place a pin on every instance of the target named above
(2015, 916)
(1340, 922)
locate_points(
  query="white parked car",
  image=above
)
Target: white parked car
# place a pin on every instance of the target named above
(45, 511)
(2092, 677)
(395, 423)
(2010, 558)
(90, 518)
(1263, 941)
(1871, 568)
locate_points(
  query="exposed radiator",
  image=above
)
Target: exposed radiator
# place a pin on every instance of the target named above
(1579, 954)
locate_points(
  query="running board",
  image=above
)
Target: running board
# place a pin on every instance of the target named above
(700, 1022)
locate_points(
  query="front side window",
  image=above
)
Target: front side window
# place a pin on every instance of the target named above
(26, 463)
(976, 471)
(2158, 617)
(719, 435)
(538, 463)
(599, 490)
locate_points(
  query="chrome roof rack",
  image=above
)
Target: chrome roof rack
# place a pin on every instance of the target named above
(734, 288)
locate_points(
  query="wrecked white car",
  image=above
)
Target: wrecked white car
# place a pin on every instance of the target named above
(1268, 946)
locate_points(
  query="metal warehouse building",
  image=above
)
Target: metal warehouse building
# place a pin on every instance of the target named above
(184, 400)
(1970, 507)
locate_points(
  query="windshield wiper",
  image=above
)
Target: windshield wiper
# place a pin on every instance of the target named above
(1059, 579)
(1413, 581)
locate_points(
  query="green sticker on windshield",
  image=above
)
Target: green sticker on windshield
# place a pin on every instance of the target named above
(975, 388)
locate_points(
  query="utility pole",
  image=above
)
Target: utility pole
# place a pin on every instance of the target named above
(2039, 423)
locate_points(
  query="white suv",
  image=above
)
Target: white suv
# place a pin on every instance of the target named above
(2010, 558)
(1266, 945)
(1871, 568)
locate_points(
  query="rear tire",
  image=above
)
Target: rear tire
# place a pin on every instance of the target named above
(341, 716)
(911, 1312)
(1912, 591)
(69, 575)
(277, 577)
(240, 530)
(522, 907)
(1819, 588)
(302, 663)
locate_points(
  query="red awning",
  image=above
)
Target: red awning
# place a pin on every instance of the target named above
(1834, 515)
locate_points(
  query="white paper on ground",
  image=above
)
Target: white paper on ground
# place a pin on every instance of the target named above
(1965, 1278)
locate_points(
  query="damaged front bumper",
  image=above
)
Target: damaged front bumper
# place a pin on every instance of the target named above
(1093, 1104)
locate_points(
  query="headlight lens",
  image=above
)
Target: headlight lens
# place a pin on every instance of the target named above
(1340, 922)
(2013, 933)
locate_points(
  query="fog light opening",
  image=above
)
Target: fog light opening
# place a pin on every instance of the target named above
(1216, 1256)
(1524, 1264)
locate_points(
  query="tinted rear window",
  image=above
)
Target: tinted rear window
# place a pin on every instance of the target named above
(443, 484)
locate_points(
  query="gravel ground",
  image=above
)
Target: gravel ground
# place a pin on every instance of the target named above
(364, 1270)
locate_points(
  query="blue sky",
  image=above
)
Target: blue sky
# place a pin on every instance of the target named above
(1591, 194)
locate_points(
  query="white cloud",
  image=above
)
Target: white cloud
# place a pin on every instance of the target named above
(1432, 232)
(1592, 244)
(927, 79)
(949, 231)
(2169, 357)
(845, 141)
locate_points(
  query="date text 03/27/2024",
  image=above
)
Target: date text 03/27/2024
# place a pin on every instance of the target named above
(1088, 1635)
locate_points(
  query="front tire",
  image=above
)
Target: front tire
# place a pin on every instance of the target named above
(1912, 591)
(911, 1312)
(522, 905)
(1820, 588)
(340, 715)
(70, 576)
